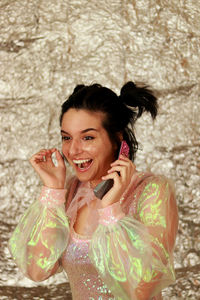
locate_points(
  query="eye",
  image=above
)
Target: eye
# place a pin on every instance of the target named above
(65, 138)
(88, 137)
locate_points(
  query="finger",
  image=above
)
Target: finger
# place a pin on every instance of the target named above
(121, 162)
(42, 152)
(48, 156)
(41, 156)
(123, 157)
(115, 176)
(38, 155)
(36, 158)
(45, 151)
(124, 173)
(59, 159)
(127, 164)
(116, 168)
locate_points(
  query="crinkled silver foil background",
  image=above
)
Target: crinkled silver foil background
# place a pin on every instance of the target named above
(49, 46)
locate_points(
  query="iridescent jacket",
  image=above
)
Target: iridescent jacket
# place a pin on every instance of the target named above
(126, 251)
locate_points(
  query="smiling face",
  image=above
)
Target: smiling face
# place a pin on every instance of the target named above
(86, 145)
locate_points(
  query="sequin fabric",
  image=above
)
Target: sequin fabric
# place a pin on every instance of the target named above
(125, 251)
(84, 280)
(52, 197)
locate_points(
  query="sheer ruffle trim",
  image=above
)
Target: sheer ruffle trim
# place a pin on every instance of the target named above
(52, 197)
(41, 235)
(124, 257)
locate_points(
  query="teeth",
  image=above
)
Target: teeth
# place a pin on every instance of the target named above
(80, 161)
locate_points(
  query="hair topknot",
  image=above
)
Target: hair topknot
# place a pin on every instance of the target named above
(139, 97)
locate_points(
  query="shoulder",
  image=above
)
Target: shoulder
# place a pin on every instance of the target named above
(154, 191)
(156, 195)
(156, 182)
(146, 187)
(157, 205)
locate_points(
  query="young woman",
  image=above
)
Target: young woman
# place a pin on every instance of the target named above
(119, 245)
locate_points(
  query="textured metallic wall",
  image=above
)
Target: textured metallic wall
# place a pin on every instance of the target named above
(48, 46)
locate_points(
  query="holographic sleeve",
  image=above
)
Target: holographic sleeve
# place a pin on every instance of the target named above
(134, 253)
(41, 235)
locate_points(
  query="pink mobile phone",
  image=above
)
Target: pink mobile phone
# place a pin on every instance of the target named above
(103, 187)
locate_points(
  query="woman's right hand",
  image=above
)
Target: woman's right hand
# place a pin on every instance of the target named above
(52, 176)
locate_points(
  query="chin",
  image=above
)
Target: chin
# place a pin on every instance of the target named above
(83, 177)
(87, 178)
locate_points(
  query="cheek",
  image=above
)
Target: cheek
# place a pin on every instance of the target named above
(92, 149)
(65, 150)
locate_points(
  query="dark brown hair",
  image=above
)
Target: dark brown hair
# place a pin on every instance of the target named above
(121, 112)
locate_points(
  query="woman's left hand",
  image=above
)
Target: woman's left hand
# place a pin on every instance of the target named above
(122, 170)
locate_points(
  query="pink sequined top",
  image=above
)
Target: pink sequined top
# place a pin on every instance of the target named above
(125, 251)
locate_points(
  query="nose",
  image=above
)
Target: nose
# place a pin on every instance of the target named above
(75, 148)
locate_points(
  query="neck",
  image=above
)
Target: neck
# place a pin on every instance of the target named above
(94, 183)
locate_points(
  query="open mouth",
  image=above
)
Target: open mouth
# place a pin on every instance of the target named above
(83, 164)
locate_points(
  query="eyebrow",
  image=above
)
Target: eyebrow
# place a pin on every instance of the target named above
(82, 131)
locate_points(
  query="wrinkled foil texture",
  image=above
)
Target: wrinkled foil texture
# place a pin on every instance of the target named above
(46, 48)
